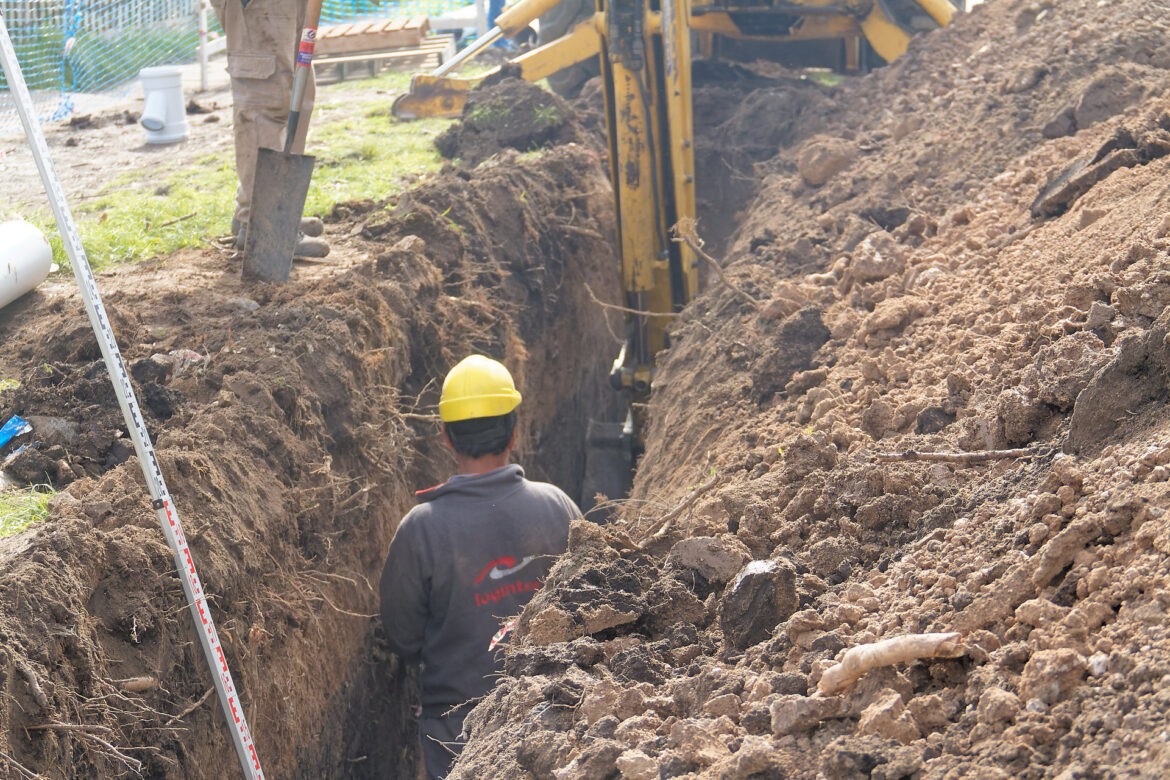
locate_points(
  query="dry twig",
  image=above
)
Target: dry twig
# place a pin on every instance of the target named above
(429, 418)
(192, 708)
(900, 649)
(20, 768)
(957, 457)
(34, 685)
(86, 732)
(580, 231)
(659, 529)
(177, 220)
(684, 232)
(137, 684)
(615, 307)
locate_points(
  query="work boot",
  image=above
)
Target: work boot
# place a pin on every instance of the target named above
(312, 226)
(311, 247)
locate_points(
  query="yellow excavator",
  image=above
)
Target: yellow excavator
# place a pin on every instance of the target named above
(644, 48)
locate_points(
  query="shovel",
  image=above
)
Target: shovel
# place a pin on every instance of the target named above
(282, 181)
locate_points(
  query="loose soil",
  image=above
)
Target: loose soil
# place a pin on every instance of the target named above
(292, 446)
(510, 114)
(962, 252)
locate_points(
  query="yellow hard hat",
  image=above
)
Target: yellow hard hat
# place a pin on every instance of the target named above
(477, 387)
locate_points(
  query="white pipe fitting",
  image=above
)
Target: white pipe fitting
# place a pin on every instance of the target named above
(25, 259)
(164, 114)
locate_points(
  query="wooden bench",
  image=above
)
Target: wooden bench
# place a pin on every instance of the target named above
(428, 55)
(371, 44)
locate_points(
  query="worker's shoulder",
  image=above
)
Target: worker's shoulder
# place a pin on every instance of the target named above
(544, 488)
(550, 492)
(414, 520)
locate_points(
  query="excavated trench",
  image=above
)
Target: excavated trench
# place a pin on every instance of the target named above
(292, 445)
(293, 425)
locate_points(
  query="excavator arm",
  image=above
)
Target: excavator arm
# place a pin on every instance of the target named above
(442, 96)
(645, 58)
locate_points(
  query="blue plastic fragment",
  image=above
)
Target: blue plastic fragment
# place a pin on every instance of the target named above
(16, 426)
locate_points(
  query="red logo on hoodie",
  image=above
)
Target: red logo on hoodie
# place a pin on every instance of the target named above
(502, 567)
(498, 569)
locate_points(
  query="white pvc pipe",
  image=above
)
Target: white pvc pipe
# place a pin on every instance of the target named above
(25, 259)
(164, 114)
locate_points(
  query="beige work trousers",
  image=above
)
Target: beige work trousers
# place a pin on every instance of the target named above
(262, 42)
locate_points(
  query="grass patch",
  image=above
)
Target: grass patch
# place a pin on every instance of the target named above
(21, 508)
(368, 153)
(131, 220)
(825, 78)
(9, 384)
(362, 152)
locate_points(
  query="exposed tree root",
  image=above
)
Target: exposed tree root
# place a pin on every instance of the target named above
(957, 457)
(897, 650)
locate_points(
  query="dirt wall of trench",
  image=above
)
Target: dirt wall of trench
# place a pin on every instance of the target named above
(292, 449)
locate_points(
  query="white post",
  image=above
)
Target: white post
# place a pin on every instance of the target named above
(203, 44)
(481, 24)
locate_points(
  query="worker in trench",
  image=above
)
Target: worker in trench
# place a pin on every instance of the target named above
(469, 556)
(262, 41)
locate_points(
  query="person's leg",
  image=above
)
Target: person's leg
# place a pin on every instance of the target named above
(262, 42)
(495, 8)
(440, 744)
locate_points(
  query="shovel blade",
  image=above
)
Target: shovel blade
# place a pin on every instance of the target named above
(279, 190)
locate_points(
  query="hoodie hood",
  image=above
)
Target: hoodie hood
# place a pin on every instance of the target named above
(476, 487)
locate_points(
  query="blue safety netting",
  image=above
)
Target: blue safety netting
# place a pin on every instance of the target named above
(70, 50)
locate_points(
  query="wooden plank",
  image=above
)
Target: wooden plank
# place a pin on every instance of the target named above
(381, 35)
(432, 53)
(349, 59)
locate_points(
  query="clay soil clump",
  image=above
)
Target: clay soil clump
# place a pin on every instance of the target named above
(508, 113)
(966, 255)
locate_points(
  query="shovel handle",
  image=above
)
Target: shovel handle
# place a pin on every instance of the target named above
(303, 67)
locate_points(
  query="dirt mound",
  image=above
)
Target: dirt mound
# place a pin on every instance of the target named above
(508, 113)
(292, 447)
(954, 317)
(931, 129)
(742, 119)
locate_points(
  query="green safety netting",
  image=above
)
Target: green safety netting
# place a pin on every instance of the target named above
(68, 48)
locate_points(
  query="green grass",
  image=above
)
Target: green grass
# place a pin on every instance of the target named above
(21, 508)
(362, 152)
(825, 77)
(368, 155)
(489, 113)
(132, 221)
(9, 384)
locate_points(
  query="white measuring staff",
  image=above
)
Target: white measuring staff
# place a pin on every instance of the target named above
(168, 518)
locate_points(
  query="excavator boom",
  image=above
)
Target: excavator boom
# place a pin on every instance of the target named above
(644, 49)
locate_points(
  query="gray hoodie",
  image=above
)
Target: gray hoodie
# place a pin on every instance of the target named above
(467, 558)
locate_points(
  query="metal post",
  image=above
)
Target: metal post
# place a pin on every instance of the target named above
(161, 502)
